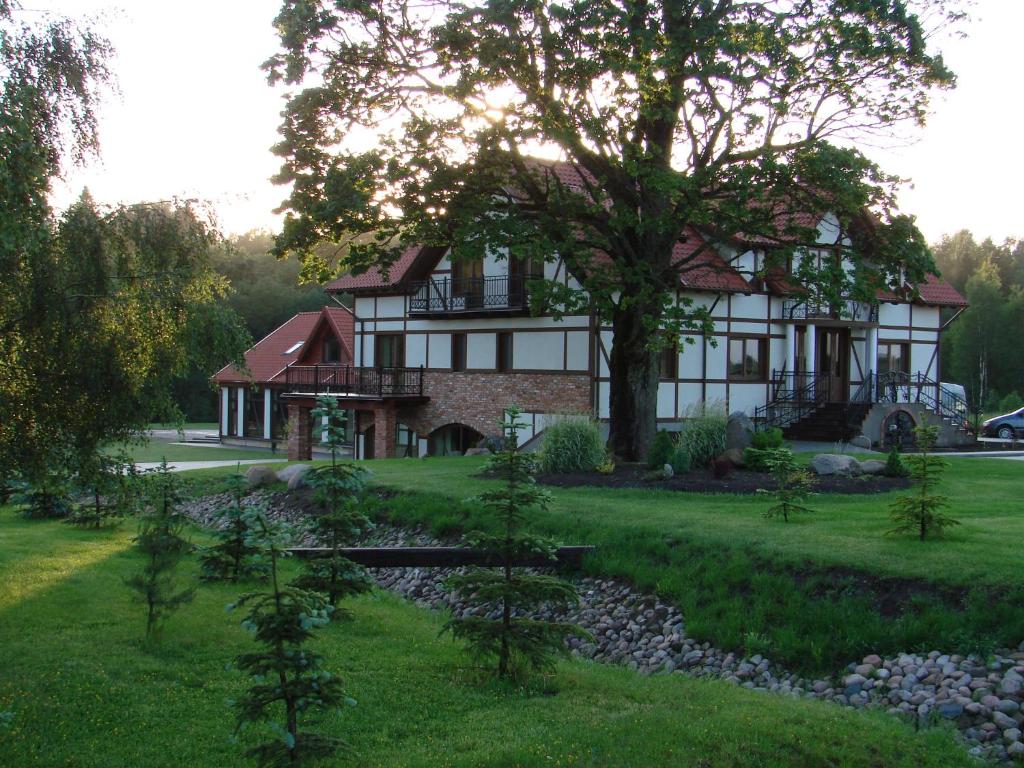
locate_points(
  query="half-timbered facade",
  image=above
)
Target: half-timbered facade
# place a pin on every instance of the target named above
(440, 349)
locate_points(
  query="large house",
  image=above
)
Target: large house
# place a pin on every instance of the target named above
(440, 349)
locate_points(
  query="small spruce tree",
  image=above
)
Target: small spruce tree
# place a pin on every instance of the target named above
(289, 684)
(111, 487)
(520, 644)
(921, 512)
(163, 546)
(894, 466)
(792, 483)
(340, 489)
(233, 557)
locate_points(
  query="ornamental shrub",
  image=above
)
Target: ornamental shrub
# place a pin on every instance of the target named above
(661, 450)
(756, 455)
(680, 460)
(894, 466)
(704, 434)
(572, 444)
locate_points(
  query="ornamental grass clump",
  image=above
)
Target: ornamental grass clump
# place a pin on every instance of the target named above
(920, 511)
(233, 557)
(290, 687)
(163, 546)
(518, 643)
(703, 434)
(792, 484)
(572, 444)
(340, 489)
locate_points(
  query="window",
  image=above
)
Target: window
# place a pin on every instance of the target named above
(388, 351)
(893, 357)
(503, 361)
(458, 351)
(294, 347)
(669, 364)
(747, 359)
(332, 350)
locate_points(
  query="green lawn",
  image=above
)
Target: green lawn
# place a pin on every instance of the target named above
(84, 693)
(814, 594)
(155, 449)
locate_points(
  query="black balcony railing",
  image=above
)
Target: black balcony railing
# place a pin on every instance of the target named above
(500, 293)
(848, 310)
(354, 382)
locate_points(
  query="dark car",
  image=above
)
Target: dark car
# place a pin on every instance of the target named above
(1007, 426)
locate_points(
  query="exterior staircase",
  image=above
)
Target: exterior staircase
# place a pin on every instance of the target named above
(829, 423)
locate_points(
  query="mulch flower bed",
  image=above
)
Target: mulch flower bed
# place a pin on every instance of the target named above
(704, 481)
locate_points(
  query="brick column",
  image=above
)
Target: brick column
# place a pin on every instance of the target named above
(299, 437)
(384, 424)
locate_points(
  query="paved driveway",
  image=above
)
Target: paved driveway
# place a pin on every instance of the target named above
(185, 466)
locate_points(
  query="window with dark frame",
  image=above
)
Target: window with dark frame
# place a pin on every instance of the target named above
(748, 358)
(503, 352)
(458, 352)
(388, 350)
(893, 357)
(332, 350)
(668, 368)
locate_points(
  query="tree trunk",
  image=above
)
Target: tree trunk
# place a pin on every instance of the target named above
(633, 368)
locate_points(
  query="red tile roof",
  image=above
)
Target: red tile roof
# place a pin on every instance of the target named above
(705, 270)
(939, 293)
(267, 358)
(374, 277)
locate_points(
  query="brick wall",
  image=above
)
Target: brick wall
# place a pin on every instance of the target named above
(478, 400)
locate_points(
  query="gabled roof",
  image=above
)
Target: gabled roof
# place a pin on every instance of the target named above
(374, 277)
(938, 293)
(267, 358)
(705, 270)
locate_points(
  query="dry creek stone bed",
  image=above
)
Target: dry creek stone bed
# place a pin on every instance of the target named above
(983, 699)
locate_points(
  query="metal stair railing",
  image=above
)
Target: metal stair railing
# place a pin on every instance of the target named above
(794, 396)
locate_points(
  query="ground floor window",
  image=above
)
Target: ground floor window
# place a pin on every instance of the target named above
(893, 357)
(405, 442)
(453, 440)
(278, 415)
(254, 413)
(748, 359)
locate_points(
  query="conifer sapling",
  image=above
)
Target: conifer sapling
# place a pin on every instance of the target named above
(792, 483)
(289, 684)
(233, 557)
(519, 644)
(340, 489)
(920, 511)
(163, 546)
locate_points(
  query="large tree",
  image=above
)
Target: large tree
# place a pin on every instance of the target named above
(100, 310)
(415, 122)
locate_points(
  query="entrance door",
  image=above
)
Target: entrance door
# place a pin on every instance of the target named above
(834, 362)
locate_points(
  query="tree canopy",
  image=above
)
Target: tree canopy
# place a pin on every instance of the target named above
(415, 122)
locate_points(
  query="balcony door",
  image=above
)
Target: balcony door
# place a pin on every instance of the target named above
(833, 360)
(468, 283)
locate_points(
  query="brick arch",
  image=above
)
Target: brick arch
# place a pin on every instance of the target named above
(894, 414)
(467, 438)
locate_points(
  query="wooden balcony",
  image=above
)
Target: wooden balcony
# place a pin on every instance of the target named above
(470, 296)
(347, 381)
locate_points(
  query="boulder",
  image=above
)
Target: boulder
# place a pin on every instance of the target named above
(285, 475)
(297, 481)
(739, 431)
(861, 441)
(872, 467)
(835, 464)
(477, 452)
(735, 455)
(667, 472)
(257, 476)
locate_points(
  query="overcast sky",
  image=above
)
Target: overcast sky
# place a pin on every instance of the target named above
(195, 117)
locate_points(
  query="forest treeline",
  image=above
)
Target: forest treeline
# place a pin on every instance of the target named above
(983, 349)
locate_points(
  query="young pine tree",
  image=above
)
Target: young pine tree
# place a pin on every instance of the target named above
(111, 486)
(792, 483)
(161, 542)
(920, 511)
(289, 683)
(340, 489)
(894, 466)
(233, 557)
(520, 644)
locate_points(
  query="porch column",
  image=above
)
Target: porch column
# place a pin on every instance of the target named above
(225, 394)
(241, 412)
(790, 359)
(384, 424)
(811, 351)
(266, 414)
(299, 437)
(871, 351)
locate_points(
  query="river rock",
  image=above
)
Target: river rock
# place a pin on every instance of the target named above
(835, 464)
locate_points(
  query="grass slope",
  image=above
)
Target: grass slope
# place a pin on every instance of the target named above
(85, 693)
(815, 593)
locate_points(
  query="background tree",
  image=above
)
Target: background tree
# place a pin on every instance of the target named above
(519, 643)
(724, 116)
(340, 489)
(163, 546)
(287, 675)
